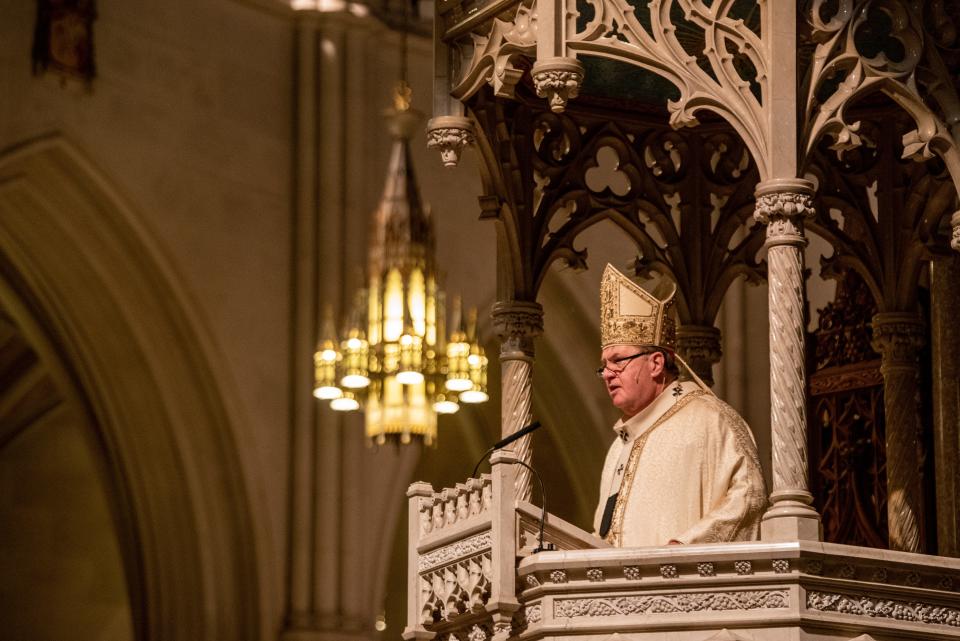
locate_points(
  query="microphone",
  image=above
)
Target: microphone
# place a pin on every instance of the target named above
(507, 440)
(523, 431)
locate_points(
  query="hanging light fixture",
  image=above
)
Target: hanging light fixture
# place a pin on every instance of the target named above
(395, 362)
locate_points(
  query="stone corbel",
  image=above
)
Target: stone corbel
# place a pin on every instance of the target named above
(558, 80)
(449, 135)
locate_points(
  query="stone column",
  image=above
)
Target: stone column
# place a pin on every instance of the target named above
(699, 346)
(517, 324)
(897, 336)
(302, 508)
(945, 341)
(783, 205)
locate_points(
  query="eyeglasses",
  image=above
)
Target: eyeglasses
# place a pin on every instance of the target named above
(617, 365)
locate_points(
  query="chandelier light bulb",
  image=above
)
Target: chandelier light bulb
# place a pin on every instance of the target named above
(474, 396)
(344, 404)
(355, 381)
(410, 377)
(458, 384)
(327, 392)
(445, 407)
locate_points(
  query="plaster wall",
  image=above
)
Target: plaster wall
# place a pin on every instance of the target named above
(197, 138)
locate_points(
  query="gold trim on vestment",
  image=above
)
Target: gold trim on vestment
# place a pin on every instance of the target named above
(626, 483)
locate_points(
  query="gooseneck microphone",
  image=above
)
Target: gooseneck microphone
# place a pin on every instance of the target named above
(507, 440)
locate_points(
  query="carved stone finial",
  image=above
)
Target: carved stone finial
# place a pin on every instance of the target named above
(557, 79)
(449, 134)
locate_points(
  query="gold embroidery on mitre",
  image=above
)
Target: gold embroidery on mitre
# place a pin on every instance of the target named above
(630, 315)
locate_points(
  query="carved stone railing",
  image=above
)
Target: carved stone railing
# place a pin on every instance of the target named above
(475, 575)
(757, 591)
(464, 543)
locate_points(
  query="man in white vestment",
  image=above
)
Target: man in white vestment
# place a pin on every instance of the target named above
(683, 467)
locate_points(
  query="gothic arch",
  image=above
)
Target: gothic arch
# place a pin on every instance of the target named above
(103, 309)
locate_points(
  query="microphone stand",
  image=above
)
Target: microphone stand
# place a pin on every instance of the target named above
(543, 496)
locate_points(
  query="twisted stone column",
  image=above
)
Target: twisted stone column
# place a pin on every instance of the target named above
(783, 205)
(699, 346)
(517, 324)
(898, 336)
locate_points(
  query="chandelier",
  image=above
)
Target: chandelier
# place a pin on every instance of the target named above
(395, 362)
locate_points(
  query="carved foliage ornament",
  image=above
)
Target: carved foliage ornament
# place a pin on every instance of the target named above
(898, 337)
(455, 551)
(558, 80)
(534, 613)
(671, 603)
(784, 212)
(874, 607)
(449, 135)
(955, 227)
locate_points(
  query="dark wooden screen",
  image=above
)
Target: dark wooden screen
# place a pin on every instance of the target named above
(846, 427)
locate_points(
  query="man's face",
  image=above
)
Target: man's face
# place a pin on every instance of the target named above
(638, 381)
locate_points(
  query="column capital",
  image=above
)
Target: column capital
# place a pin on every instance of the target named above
(783, 204)
(897, 336)
(699, 345)
(517, 323)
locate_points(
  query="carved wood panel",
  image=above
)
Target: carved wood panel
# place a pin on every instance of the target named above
(846, 426)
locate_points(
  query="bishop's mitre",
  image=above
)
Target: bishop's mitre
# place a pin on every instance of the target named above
(633, 315)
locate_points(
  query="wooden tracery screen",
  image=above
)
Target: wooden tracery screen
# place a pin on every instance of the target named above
(846, 426)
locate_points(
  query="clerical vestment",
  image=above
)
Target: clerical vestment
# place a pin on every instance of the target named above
(684, 469)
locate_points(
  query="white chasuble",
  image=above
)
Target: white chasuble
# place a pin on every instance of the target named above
(683, 469)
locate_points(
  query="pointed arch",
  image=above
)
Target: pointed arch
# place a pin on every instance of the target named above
(103, 304)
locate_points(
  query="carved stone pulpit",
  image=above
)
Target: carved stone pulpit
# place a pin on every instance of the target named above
(474, 575)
